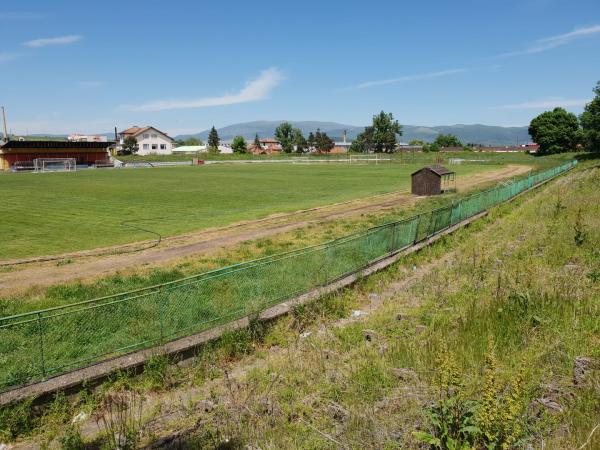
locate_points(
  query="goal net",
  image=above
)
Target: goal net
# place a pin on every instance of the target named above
(55, 164)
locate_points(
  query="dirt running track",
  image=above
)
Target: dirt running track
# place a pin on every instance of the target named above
(42, 274)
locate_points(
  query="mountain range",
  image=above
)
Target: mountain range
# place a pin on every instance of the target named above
(476, 133)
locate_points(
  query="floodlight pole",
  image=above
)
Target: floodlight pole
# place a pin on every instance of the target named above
(5, 129)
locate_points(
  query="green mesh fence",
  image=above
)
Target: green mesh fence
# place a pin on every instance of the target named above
(39, 344)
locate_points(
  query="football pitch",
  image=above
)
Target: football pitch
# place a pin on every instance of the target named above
(53, 213)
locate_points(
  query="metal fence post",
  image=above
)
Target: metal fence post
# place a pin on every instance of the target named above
(393, 238)
(161, 314)
(41, 344)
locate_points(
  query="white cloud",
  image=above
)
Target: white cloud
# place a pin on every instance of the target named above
(405, 78)
(548, 104)
(257, 89)
(551, 42)
(60, 40)
(5, 57)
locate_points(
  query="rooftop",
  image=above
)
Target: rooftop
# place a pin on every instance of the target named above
(439, 170)
(55, 144)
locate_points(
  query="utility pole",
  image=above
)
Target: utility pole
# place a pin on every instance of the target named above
(5, 130)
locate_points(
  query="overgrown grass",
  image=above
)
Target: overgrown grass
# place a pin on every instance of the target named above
(64, 340)
(335, 384)
(521, 290)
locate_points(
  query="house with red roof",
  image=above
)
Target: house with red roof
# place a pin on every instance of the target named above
(150, 140)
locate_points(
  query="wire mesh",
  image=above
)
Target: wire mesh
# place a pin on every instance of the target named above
(43, 343)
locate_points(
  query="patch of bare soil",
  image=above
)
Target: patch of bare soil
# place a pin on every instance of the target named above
(89, 265)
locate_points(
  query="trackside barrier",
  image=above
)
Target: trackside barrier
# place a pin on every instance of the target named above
(39, 344)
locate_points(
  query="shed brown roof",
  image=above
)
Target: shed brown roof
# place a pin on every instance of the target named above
(438, 170)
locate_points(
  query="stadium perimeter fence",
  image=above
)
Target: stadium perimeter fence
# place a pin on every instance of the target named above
(40, 344)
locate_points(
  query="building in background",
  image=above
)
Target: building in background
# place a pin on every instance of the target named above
(343, 146)
(150, 140)
(268, 146)
(20, 155)
(87, 138)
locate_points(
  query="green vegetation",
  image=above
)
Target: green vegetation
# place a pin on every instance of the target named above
(479, 353)
(191, 141)
(213, 141)
(559, 131)
(590, 122)
(322, 142)
(484, 337)
(380, 137)
(110, 326)
(130, 146)
(239, 144)
(284, 133)
(59, 212)
(555, 131)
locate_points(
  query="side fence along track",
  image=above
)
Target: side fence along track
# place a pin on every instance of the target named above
(40, 344)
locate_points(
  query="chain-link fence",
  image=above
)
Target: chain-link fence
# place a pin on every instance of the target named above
(39, 344)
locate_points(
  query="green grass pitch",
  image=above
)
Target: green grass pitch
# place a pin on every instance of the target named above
(51, 213)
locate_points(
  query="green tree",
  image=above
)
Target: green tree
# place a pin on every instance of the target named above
(323, 143)
(385, 130)
(363, 142)
(310, 141)
(380, 136)
(239, 144)
(130, 146)
(213, 140)
(432, 147)
(555, 131)
(256, 141)
(447, 140)
(299, 141)
(285, 135)
(590, 123)
(192, 141)
(416, 142)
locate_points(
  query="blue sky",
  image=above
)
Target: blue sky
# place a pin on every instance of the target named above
(182, 66)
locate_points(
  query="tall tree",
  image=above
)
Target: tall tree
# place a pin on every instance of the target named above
(364, 142)
(130, 146)
(323, 143)
(385, 129)
(239, 144)
(285, 135)
(256, 141)
(447, 140)
(310, 141)
(299, 141)
(590, 122)
(213, 140)
(555, 131)
(380, 136)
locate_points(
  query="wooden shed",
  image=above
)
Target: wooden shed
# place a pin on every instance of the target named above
(432, 180)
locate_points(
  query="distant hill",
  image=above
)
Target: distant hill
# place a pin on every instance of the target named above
(478, 134)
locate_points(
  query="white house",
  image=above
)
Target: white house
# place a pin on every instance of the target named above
(150, 140)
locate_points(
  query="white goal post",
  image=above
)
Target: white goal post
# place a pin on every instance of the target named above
(55, 164)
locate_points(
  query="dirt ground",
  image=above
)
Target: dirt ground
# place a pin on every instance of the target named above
(104, 262)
